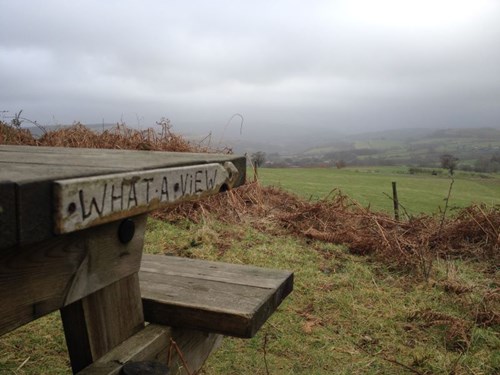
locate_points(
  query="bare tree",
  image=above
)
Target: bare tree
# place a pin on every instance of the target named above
(449, 162)
(340, 164)
(258, 158)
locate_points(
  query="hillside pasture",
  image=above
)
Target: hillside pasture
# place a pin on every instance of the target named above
(419, 193)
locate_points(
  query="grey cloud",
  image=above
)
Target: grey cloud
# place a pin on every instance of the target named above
(281, 61)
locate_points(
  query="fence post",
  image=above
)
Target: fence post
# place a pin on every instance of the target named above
(395, 200)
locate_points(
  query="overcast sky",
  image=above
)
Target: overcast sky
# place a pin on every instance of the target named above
(351, 65)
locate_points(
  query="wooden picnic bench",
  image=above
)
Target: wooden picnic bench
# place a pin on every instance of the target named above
(72, 225)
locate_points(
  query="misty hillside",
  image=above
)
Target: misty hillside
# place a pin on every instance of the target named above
(475, 149)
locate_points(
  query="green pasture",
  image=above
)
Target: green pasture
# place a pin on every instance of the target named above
(420, 193)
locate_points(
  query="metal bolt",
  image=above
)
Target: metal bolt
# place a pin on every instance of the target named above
(126, 231)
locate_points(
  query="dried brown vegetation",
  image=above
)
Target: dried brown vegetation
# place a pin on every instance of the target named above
(458, 331)
(411, 244)
(118, 137)
(12, 135)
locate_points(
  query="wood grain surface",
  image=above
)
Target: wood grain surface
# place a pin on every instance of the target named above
(38, 279)
(224, 298)
(101, 321)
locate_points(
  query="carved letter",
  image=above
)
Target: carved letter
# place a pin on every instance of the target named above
(132, 195)
(184, 182)
(197, 182)
(147, 180)
(210, 181)
(116, 197)
(164, 188)
(93, 203)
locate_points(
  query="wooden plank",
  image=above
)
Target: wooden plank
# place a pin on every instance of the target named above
(153, 343)
(90, 201)
(8, 221)
(38, 279)
(206, 298)
(241, 274)
(105, 158)
(101, 321)
(21, 172)
(118, 160)
(150, 343)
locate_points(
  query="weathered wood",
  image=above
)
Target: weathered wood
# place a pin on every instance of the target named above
(101, 321)
(195, 347)
(230, 299)
(154, 343)
(118, 160)
(8, 221)
(34, 198)
(150, 343)
(395, 200)
(145, 368)
(241, 274)
(90, 201)
(33, 169)
(38, 279)
(23, 173)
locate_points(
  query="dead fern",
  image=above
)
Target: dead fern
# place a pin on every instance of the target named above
(457, 330)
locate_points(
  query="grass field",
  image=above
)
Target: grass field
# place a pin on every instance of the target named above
(417, 193)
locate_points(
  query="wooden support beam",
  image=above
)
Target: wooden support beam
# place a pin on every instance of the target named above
(38, 279)
(150, 343)
(8, 220)
(155, 342)
(99, 322)
(195, 347)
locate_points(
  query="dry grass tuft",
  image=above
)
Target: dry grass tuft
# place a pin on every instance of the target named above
(457, 331)
(118, 137)
(11, 135)
(488, 311)
(474, 231)
(455, 287)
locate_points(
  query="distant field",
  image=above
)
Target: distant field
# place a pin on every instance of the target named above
(385, 148)
(417, 193)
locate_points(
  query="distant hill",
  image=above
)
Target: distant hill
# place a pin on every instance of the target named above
(413, 147)
(392, 134)
(478, 133)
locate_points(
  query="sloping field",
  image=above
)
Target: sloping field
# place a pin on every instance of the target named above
(370, 186)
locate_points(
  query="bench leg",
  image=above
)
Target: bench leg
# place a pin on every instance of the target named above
(99, 322)
(195, 347)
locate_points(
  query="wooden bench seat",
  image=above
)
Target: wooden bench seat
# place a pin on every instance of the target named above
(230, 299)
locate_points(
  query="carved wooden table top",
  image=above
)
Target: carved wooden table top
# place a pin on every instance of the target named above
(48, 190)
